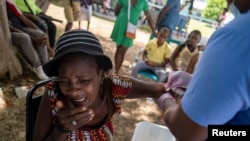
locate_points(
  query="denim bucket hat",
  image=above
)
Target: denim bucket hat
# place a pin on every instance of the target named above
(77, 41)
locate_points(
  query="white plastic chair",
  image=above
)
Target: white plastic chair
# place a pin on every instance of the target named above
(146, 131)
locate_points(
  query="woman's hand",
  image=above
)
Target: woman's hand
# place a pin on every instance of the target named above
(71, 117)
(178, 79)
(40, 40)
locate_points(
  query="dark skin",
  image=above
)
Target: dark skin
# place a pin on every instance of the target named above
(175, 118)
(121, 50)
(38, 40)
(193, 40)
(192, 63)
(44, 38)
(164, 10)
(194, 60)
(80, 84)
(161, 39)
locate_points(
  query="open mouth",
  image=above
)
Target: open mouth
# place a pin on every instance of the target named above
(78, 102)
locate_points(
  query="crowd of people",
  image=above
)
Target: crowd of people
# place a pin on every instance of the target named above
(86, 92)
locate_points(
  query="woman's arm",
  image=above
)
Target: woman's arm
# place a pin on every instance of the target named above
(44, 120)
(141, 89)
(174, 56)
(164, 10)
(192, 63)
(182, 127)
(144, 55)
(117, 9)
(28, 23)
(32, 17)
(44, 130)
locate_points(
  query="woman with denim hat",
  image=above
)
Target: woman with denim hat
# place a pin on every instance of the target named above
(80, 103)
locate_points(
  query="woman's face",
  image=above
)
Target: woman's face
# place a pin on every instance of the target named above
(79, 79)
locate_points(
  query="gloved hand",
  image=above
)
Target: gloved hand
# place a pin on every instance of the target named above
(162, 98)
(178, 79)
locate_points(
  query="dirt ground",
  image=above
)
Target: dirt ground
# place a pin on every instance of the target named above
(12, 109)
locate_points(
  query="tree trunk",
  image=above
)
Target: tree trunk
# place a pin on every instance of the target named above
(9, 63)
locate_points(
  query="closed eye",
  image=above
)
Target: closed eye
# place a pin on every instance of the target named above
(63, 81)
(66, 82)
(84, 81)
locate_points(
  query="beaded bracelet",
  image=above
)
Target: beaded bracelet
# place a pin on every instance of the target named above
(162, 98)
(61, 129)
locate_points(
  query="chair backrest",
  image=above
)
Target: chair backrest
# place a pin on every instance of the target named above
(147, 131)
(32, 106)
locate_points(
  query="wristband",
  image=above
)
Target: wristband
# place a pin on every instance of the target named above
(162, 98)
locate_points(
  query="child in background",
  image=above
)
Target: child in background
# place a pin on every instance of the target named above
(184, 52)
(155, 56)
(195, 59)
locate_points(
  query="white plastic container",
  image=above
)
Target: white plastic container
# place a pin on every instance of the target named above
(146, 131)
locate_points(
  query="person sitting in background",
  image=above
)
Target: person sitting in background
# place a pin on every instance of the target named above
(155, 56)
(23, 41)
(215, 95)
(29, 37)
(35, 14)
(81, 101)
(185, 51)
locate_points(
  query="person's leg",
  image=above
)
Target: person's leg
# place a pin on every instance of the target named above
(51, 32)
(76, 9)
(23, 41)
(119, 57)
(178, 26)
(182, 24)
(68, 14)
(89, 15)
(41, 49)
(140, 65)
(68, 26)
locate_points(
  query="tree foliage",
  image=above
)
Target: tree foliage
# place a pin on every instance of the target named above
(214, 9)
